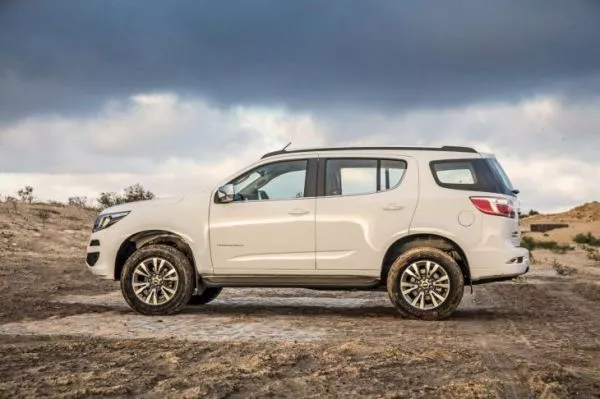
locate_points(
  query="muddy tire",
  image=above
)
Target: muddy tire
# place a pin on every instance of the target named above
(208, 295)
(425, 283)
(157, 280)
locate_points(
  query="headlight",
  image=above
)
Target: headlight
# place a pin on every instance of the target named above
(104, 221)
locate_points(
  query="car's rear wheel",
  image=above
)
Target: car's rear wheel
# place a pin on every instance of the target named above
(157, 280)
(206, 296)
(425, 283)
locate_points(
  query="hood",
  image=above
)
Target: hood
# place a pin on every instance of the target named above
(155, 203)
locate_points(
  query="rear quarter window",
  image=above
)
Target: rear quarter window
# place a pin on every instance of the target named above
(455, 173)
(474, 174)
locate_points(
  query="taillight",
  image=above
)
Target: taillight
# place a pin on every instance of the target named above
(494, 206)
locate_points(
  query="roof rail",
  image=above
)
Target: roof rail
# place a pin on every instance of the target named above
(451, 148)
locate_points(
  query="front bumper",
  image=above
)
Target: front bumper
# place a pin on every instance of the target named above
(101, 255)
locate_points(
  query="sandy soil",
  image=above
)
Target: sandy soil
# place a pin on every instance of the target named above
(64, 333)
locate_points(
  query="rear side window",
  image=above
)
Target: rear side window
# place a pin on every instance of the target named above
(353, 176)
(477, 174)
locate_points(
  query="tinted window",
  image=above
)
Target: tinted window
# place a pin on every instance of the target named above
(350, 176)
(391, 173)
(362, 176)
(500, 173)
(280, 180)
(455, 173)
(475, 174)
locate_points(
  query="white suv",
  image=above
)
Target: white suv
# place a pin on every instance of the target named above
(419, 222)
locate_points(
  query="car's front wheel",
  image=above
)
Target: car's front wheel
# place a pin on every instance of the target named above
(425, 283)
(157, 280)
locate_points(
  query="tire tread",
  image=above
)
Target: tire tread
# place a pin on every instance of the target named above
(187, 281)
(442, 258)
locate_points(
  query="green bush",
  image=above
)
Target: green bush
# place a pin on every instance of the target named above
(130, 194)
(528, 242)
(592, 253)
(588, 239)
(526, 215)
(79, 202)
(26, 194)
(531, 244)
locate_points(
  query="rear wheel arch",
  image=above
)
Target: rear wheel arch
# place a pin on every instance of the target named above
(425, 240)
(151, 237)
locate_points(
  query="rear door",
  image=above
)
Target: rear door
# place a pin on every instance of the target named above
(365, 203)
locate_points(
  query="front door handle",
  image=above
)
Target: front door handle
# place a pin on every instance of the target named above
(298, 212)
(393, 207)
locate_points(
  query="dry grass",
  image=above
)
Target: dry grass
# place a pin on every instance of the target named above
(563, 270)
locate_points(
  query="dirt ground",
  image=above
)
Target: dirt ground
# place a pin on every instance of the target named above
(64, 333)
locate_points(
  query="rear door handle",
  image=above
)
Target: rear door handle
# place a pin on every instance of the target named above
(298, 212)
(393, 207)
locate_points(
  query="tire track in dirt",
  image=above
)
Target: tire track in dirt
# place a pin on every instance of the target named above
(496, 360)
(579, 304)
(554, 342)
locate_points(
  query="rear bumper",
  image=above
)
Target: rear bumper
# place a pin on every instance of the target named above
(497, 279)
(491, 264)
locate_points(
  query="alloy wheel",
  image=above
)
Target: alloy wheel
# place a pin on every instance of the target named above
(155, 281)
(425, 285)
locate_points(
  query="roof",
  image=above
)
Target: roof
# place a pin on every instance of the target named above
(447, 148)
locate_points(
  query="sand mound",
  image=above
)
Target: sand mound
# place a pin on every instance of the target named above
(589, 212)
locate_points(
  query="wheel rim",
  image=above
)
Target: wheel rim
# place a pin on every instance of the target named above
(425, 285)
(155, 281)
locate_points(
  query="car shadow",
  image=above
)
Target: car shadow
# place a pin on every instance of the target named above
(291, 310)
(389, 312)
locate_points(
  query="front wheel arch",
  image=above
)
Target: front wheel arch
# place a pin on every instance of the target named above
(151, 237)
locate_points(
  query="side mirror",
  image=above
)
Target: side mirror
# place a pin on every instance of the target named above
(225, 194)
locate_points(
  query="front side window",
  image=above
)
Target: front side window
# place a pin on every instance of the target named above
(362, 176)
(275, 181)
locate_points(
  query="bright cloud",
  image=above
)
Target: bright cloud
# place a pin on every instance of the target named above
(173, 144)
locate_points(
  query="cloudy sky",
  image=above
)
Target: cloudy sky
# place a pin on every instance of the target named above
(97, 95)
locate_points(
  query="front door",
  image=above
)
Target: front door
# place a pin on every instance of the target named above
(270, 225)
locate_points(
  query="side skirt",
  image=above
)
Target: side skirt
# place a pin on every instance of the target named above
(297, 281)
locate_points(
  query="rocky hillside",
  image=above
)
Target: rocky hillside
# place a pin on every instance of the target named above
(40, 229)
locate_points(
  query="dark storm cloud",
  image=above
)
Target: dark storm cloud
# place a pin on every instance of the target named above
(71, 56)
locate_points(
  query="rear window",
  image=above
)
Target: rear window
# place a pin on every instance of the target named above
(476, 174)
(500, 173)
